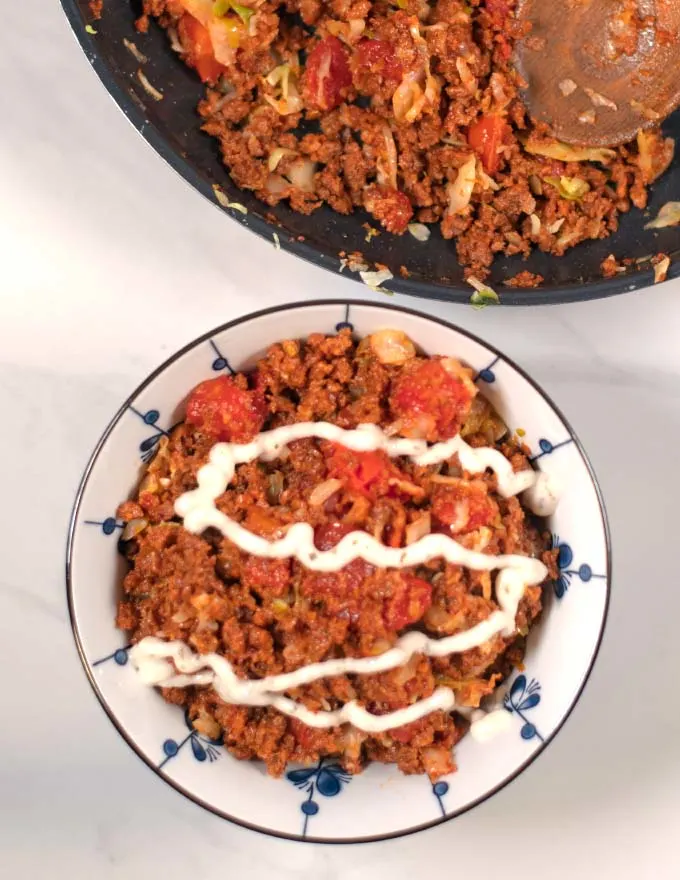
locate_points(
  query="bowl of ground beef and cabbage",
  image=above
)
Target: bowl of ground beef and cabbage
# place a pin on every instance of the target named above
(336, 546)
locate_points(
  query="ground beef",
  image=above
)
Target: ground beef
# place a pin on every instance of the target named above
(377, 105)
(524, 279)
(273, 616)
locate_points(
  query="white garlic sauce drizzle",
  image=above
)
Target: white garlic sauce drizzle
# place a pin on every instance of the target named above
(174, 664)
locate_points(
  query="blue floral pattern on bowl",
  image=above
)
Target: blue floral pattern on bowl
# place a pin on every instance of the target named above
(440, 789)
(565, 559)
(220, 363)
(345, 324)
(147, 447)
(523, 696)
(486, 374)
(326, 779)
(202, 747)
(108, 525)
(222, 351)
(547, 448)
(119, 657)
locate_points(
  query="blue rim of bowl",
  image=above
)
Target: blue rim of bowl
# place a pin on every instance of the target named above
(93, 460)
(554, 295)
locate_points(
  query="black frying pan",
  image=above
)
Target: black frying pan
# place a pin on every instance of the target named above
(171, 126)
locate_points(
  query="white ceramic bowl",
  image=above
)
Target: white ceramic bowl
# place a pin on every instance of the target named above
(322, 803)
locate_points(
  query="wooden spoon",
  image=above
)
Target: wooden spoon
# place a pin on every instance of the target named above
(598, 71)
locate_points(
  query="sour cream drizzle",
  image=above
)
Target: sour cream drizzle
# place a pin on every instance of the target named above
(174, 664)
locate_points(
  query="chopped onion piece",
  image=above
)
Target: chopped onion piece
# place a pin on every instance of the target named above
(224, 201)
(406, 487)
(225, 36)
(134, 51)
(568, 238)
(374, 280)
(301, 174)
(419, 90)
(655, 154)
(207, 725)
(243, 12)
(647, 112)
(288, 100)
(175, 44)
(278, 75)
(387, 164)
(475, 282)
(483, 295)
(357, 265)
(556, 226)
(500, 90)
(356, 27)
(453, 142)
(535, 224)
(445, 481)
(661, 269)
(669, 215)
(392, 347)
(569, 153)
(321, 493)
(419, 231)
(407, 100)
(459, 192)
(276, 184)
(599, 100)
(148, 88)
(567, 86)
(486, 181)
(571, 188)
(468, 80)
(276, 155)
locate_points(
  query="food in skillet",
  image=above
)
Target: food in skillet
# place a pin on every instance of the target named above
(336, 555)
(409, 110)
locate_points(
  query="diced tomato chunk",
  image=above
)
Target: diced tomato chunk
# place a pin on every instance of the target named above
(330, 534)
(379, 57)
(463, 507)
(429, 401)
(266, 576)
(372, 474)
(198, 47)
(485, 137)
(225, 411)
(410, 599)
(327, 75)
(360, 471)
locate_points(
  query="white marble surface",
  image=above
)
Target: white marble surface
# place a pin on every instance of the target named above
(108, 263)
